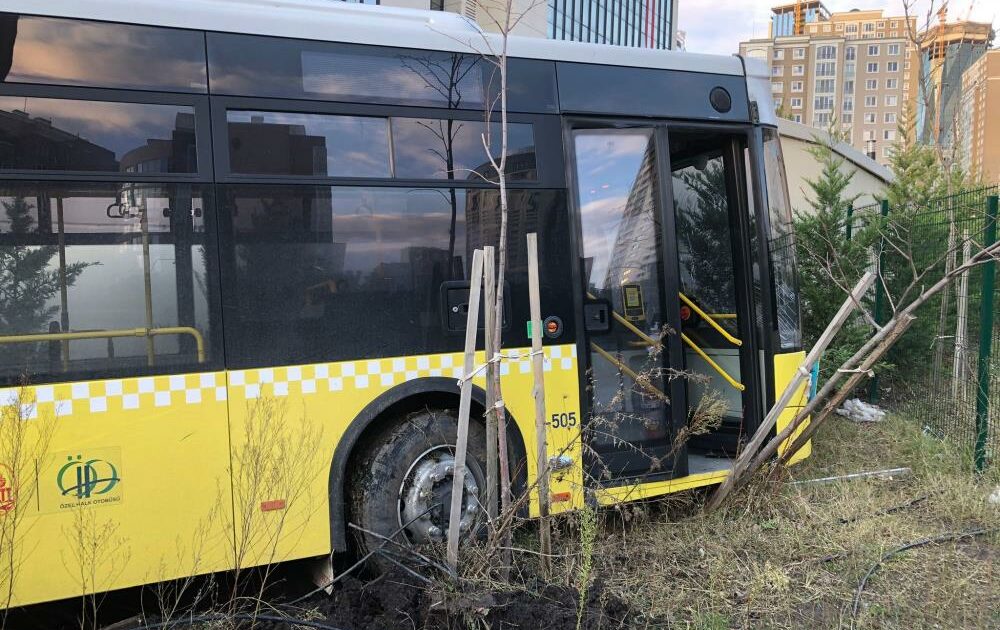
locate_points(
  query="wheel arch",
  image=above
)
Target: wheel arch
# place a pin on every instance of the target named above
(379, 413)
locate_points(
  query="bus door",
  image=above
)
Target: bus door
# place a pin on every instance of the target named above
(660, 310)
(716, 258)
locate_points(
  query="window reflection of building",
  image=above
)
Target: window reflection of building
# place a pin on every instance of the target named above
(55, 134)
(161, 155)
(29, 143)
(634, 255)
(265, 147)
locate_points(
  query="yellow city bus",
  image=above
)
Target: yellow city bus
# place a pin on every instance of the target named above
(235, 243)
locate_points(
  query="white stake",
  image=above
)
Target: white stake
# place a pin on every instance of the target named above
(538, 367)
(462, 443)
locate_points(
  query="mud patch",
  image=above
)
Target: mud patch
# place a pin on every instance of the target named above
(395, 601)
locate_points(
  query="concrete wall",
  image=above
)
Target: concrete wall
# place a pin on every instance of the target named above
(869, 180)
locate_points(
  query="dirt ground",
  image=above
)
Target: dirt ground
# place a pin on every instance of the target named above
(780, 556)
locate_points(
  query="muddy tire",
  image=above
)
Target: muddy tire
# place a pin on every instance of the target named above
(405, 476)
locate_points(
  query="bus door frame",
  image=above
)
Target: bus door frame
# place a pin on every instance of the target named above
(744, 136)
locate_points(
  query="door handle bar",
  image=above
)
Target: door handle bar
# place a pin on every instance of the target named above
(642, 382)
(710, 320)
(629, 325)
(715, 366)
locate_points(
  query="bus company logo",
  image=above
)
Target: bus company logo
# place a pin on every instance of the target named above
(7, 496)
(89, 481)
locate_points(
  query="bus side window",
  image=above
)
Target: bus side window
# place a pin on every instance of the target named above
(117, 275)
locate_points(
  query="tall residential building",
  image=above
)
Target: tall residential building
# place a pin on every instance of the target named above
(855, 68)
(640, 23)
(978, 128)
(637, 23)
(948, 49)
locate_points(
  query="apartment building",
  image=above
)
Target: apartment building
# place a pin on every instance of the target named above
(978, 127)
(948, 50)
(856, 69)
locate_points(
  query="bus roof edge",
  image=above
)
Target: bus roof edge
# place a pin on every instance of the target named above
(331, 20)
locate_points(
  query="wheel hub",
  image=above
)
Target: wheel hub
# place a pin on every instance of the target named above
(425, 497)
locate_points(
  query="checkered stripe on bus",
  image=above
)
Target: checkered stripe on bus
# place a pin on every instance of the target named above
(152, 392)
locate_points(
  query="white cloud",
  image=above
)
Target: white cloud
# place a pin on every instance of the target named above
(719, 27)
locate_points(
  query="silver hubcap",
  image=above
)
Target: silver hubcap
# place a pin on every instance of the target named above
(425, 496)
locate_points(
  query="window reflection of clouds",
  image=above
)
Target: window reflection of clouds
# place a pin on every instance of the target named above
(607, 166)
(76, 52)
(116, 127)
(422, 148)
(263, 66)
(429, 78)
(354, 146)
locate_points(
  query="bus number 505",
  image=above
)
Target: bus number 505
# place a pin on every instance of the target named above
(563, 420)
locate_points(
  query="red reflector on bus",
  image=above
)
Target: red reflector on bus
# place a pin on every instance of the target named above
(273, 504)
(685, 313)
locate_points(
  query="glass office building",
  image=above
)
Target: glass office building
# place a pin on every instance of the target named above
(638, 23)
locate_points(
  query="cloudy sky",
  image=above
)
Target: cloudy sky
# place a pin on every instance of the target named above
(717, 26)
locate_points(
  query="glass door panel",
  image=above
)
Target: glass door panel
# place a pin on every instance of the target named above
(703, 185)
(619, 197)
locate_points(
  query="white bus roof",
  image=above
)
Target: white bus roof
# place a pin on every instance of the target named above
(335, 21)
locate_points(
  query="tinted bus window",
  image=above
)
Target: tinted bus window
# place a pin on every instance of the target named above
(336, 273)
(97, 54)
(453, 149)
(68, 135)
(250, 65)
(277, 143)
(72, 261)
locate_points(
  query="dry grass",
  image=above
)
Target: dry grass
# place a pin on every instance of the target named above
(780, 557)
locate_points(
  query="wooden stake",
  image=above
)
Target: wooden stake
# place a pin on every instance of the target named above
(465, 401)
(489, 274)
(899, 326)
(538, 367)
(749, 451)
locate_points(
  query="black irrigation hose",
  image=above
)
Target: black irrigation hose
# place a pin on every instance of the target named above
(911, 545)
(887, 511)
(190, 621)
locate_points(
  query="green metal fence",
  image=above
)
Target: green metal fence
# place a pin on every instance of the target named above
(945, 372)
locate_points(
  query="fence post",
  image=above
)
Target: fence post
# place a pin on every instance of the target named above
(879, 297)
(985, 337)
(850, 222)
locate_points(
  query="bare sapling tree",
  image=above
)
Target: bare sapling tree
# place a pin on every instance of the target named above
(502, 17)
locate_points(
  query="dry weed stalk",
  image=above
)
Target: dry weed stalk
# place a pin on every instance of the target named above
(25, 436)
(97, 557)
(277, 458)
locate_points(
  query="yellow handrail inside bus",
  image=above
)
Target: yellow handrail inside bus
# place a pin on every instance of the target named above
(109, 334)
(624, 368)
(627, 324)
(643, 382)
(715, 366)
(711, 321)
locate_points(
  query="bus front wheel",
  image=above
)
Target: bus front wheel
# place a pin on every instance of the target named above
(402, 483)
